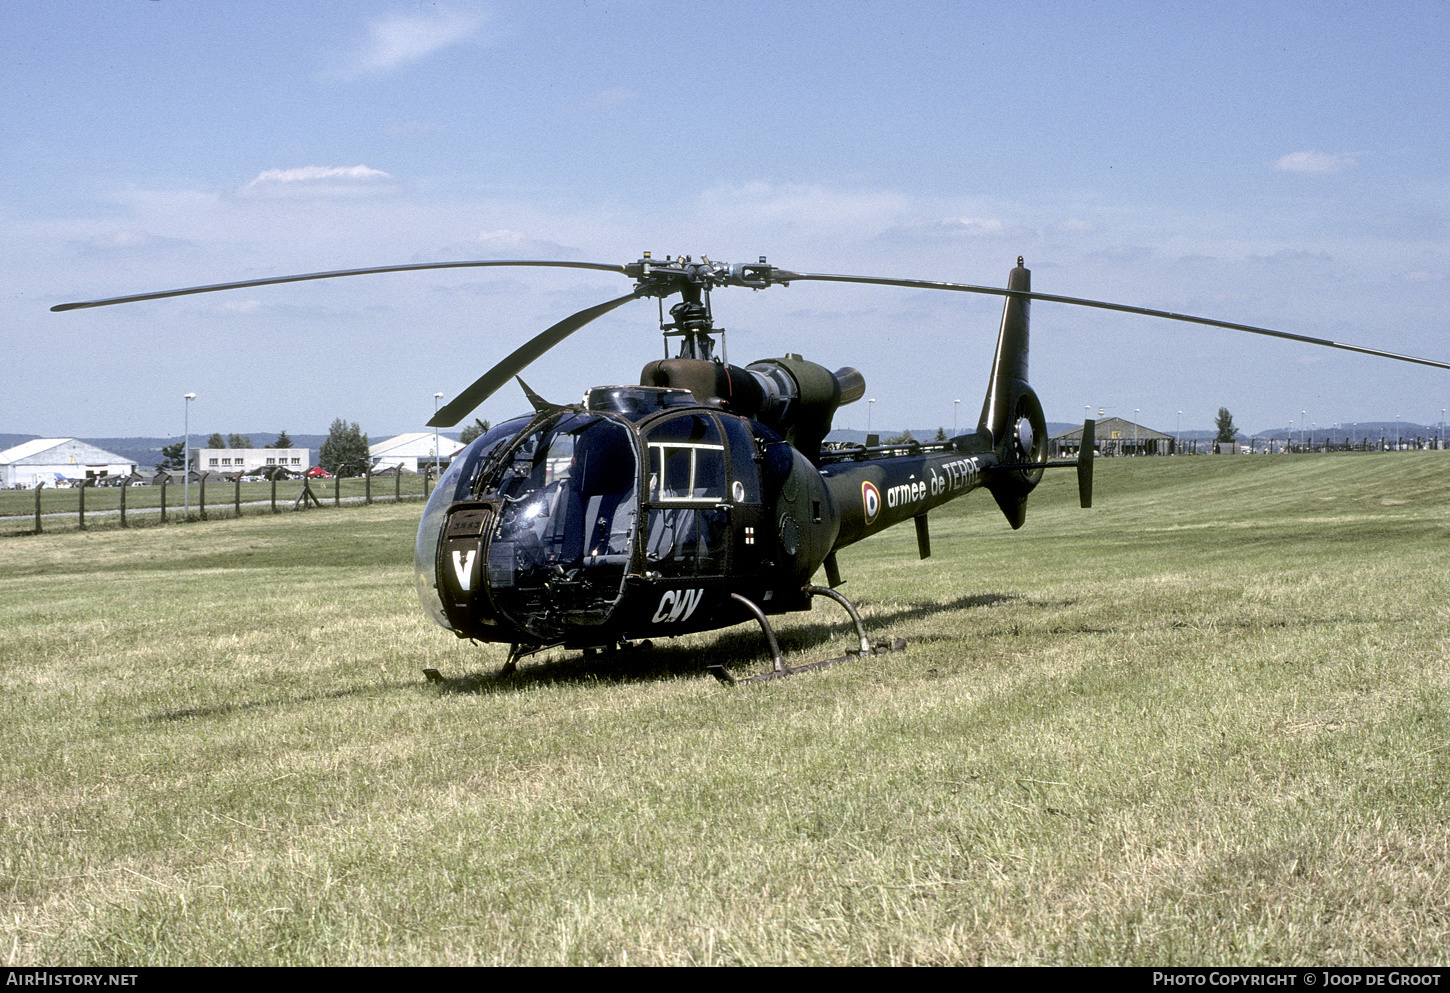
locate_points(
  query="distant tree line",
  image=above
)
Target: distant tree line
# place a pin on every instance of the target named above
(245, 441)
(174, 456)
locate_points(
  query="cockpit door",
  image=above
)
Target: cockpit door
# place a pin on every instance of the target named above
(564, 498)
(687, 532)
(750, 536)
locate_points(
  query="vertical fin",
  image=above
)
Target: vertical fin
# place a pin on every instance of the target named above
(1009, 365)
(1009, 400)
(833, 571)
(923, 537)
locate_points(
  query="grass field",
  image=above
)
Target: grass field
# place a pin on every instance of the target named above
(1202, 723)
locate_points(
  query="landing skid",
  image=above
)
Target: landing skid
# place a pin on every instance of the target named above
(477, 680)
(865, 648)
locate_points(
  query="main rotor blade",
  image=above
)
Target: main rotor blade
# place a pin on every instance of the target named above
(926, 284)
(242, 284)
(462, 405)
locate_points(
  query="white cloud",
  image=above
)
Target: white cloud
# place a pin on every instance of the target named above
(1319, 162)
(1293, 257)
(319, 181)
(972, 226)
(805, 206)
(949, 229)
(507, 244)
(396, 40)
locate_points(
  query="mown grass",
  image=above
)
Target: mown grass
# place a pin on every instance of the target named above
(1204, 722)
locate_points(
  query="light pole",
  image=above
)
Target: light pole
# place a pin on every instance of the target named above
(436, 398)
(868, 417)
(956, 405)
(1135, 430)
(1303, 419)
(1442, 429)
(1177, 434)
(186, 456)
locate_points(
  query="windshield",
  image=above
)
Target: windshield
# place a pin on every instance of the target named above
(562, 547)
(457, 483)
(559, 499)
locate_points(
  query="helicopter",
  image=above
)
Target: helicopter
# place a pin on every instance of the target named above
(704, 496)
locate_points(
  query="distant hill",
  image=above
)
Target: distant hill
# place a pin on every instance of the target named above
(11, 440)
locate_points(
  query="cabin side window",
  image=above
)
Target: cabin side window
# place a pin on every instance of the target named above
(689, 523)
(687, 460)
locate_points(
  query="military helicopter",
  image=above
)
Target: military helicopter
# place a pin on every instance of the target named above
(702, 497)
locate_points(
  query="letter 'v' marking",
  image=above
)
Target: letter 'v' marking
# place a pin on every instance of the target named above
(463, 569)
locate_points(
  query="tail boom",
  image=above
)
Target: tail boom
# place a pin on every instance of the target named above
(878, 493)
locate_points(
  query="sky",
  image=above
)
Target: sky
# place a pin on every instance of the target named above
(1284, 165)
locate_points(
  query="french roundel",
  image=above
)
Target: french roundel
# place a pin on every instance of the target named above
(870, 501)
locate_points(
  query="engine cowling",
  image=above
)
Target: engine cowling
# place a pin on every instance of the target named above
(789, 394)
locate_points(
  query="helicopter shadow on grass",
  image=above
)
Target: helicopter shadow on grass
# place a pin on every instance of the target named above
(740, 648)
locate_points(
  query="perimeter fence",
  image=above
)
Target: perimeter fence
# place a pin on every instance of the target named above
(90, 506)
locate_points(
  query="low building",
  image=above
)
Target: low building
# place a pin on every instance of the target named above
(59, 462)
(413, 452)
(241, 461)
(1114, 436)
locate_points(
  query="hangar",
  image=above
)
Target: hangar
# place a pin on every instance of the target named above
(58, 461)
(413, 451)
(1115, 436)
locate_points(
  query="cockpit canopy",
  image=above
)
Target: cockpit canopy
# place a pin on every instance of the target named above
(537, 525)
(555, 500)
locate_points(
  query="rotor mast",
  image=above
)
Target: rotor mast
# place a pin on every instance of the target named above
(692, 321)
